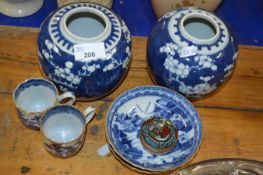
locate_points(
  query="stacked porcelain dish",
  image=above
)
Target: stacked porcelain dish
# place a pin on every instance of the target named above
(152, 129)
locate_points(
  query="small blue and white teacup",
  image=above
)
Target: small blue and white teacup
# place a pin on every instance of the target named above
(34, 96)
(63, 128)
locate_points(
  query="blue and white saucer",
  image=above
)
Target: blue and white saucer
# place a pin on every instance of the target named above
(132, 108)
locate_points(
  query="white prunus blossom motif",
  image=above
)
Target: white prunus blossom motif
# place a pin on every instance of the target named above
(170, 49)
(48, 44)
(109, 67)
(205, 61)
(48, 53)
(179, 71)
(127, 36)
(175, 67)
(66, 74)
(89, 69)
(62, 75)
(126, 31)
(198, 89)
(229, 68)
(127, 60)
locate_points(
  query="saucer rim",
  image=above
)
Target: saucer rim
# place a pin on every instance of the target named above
(159, 88)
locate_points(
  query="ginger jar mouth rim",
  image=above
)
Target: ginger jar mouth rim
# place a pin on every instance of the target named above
(206, 18)
(78, 39)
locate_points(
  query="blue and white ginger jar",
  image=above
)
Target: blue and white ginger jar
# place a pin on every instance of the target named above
(82, 23)
(191, 51)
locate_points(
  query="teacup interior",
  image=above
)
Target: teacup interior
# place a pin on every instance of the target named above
(36, 96)
(63, 126)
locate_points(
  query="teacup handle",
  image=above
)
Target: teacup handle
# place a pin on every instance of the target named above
(104, 150)
(89, 113)
(69, 95)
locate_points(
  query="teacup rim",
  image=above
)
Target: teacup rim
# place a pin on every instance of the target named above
(25, 81)
(53, 141)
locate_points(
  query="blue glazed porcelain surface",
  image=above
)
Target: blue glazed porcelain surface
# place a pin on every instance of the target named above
(32, 97)
(193, 75)
(34, 82)
(63, 128)
(29, 120)
(132, 108)
(89, 79)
